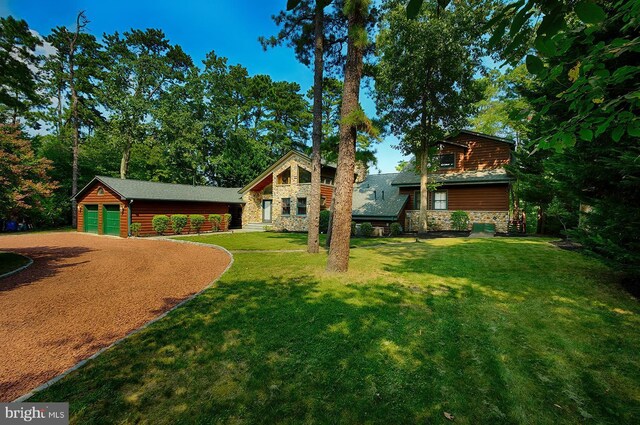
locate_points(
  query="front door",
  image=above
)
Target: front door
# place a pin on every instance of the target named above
(266, 211)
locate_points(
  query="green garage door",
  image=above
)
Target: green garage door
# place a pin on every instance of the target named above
(111, 220)
(90, 218)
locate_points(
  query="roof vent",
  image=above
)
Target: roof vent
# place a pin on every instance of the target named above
(375, 195)
(383, 195)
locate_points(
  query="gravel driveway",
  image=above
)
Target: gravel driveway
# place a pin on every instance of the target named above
(84, 292)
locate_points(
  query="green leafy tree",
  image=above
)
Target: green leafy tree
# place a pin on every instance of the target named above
(425, 81)
(143, 65)
(72, 74)
(505, 111)
(584, 60)
(18, 69)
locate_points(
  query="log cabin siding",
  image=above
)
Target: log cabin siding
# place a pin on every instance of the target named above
(480, 154)
(326, 191)
(143, 212)
(477, 198)
(486, 197)
(108, 197)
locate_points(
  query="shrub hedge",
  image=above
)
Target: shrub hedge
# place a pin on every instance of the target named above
(160, 223)
(196, 221)
(179, 222)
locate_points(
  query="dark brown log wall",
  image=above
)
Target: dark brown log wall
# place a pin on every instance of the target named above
(490, 197)
(481, 153)
(143, 211)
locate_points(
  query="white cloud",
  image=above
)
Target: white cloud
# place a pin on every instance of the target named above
(46, 49)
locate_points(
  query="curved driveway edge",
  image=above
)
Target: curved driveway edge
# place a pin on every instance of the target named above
(77, 346)
(19, 269)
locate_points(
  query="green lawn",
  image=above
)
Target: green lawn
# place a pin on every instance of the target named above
(492, 331)
(10, 262)
(278, 241)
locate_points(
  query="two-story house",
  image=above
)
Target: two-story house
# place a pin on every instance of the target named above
(470, 177)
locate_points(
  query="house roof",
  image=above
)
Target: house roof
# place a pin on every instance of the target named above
(139, 189)
(276, 164)
(499, 175)
(486, 136)
(368, 199)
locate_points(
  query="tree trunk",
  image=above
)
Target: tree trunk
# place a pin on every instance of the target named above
(76, 121)
(424, 190)
(313, 238)
(338, 260)
(329, 227)
(124, 162)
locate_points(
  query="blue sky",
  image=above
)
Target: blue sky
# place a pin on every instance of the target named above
(231, 28)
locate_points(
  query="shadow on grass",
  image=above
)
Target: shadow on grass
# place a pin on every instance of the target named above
(294, 351)
(46, 263)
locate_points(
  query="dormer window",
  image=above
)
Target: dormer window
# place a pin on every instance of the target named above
(447, 160)
(285, 177)
(100, 191)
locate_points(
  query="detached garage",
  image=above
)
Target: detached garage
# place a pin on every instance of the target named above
(108, 206)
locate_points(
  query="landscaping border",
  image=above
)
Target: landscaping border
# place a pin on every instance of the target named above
(19, 269)
(81, 363)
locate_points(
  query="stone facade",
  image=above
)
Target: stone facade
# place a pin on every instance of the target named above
(293, 222)
(442, 219)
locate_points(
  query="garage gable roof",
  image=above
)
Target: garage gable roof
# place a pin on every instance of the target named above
(144, 190)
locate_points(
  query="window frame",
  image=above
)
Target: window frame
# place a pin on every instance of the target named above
(300, 171)
(448, 167)
(434, 200)
(279, 179)
(298, 206)
(288, 204)
(416, 199)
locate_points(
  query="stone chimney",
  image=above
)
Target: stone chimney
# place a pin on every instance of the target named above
(362, 171)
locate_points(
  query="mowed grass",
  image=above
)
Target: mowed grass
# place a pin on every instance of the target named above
(10, 261)
(491, 331)
(272, 241)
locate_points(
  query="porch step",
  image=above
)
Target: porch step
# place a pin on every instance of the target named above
(253, 227)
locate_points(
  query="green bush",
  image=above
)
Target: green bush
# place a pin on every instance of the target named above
(395, 229)
(135, 229)
(215, 220)
(325, 215)
(160, 223)
(226, 218)
(366, 230)
(353, 228)
(179, 222)
(196, 221)
(459, 220)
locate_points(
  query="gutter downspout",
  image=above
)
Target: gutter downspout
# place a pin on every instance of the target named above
(129, 218)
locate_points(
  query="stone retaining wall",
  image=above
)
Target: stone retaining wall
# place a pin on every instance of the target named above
(441, 220)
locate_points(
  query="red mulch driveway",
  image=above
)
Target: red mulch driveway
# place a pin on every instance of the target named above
(84, 292)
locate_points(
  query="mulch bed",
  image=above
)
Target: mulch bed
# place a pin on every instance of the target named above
(84, 292)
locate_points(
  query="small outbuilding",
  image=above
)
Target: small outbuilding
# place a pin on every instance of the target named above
(108, 206)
